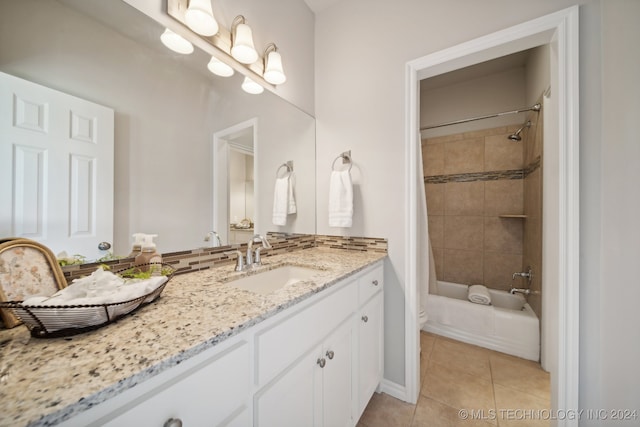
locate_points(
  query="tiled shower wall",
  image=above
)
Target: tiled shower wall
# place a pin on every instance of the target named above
(472, 179)
(532, 250)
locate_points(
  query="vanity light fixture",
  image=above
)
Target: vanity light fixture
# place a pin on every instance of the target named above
(242, 48)
(199, 17)
(176, 42)
(273, 72)
(219, 68)
(251, 87)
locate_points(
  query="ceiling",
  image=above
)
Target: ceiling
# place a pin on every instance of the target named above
(319, 5)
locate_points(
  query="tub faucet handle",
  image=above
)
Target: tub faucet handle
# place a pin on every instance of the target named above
(526, 274)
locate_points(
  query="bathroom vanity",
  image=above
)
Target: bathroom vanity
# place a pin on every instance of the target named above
(211, 353)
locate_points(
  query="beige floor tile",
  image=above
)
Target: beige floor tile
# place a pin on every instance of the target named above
(467, 358)
(457, 389)
(516, 408)
(386, 411)
(520, 374)
(430, 413)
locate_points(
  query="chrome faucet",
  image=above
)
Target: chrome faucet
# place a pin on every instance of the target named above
(527, 274)
(214, 234)
(253, 257)
(240, 265)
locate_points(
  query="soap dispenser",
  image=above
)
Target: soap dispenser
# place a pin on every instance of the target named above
(137, 245)
(148, 254)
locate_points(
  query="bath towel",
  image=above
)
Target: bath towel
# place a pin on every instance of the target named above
(479, 294)
(281, 200)
(291, 207)
(340, 199)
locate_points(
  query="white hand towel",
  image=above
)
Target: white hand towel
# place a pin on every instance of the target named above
(281, 201)
(479, 294)
(292, 200)
(340, 199)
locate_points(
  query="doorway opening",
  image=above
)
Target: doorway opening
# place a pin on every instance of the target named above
(560, 181)
(234, 192)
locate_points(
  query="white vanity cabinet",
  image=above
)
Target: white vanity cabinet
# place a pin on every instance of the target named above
(314, 364)
(369, 355)
(320, 366)
(313, 391)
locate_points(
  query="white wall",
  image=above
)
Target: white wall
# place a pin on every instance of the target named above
(616, 341)
(360, 105)
(493, 93)
(537, 73)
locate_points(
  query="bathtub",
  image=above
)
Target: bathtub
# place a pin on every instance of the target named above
(509, 325)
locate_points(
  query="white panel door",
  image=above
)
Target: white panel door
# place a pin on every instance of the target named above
(56, 168)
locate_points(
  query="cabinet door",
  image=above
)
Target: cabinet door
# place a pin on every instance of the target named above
(369, 358)
(293, 398)
(337, 375)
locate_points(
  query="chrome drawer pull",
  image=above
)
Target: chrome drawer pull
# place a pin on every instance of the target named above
(321, 362)
(330, 354)
(173, 422)
(365, 319)
(375, 283)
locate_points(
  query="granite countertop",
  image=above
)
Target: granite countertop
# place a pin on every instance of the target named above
(45, 381)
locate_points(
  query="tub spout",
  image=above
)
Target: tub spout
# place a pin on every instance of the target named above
(522, 291)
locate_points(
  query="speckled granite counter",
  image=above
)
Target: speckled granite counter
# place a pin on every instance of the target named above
(45, 381)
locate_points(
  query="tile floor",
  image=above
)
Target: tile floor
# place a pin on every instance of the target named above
(501, 390)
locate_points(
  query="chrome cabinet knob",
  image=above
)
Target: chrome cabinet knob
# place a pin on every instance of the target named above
(375, 283)
(173, 422)
(321, 362)
(104, 246)
(330, 354)
(365, 318)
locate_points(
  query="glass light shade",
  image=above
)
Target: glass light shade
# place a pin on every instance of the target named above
(251, 87)
(199, 17)
(273, 72)
(219, 68)
(243, 50)
(176, 42)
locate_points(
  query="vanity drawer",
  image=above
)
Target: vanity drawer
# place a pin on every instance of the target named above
(279, 346)
(211, 393)
(370, 283)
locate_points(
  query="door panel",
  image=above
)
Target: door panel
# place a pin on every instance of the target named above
(56, 168)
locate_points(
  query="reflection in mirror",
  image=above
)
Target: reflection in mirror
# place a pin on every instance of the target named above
(167, 109)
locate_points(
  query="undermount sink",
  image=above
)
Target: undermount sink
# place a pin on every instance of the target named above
(269, 281)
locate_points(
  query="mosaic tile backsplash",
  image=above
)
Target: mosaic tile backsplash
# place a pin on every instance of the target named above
(204, 258)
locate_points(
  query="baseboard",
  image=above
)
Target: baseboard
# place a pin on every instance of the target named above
(393, 389)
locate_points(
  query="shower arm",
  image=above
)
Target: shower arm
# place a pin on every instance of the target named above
(535, 107)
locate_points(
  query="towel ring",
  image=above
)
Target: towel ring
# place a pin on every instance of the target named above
(288, 165)
(346, 158)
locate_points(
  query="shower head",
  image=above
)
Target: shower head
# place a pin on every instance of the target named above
(516, 136)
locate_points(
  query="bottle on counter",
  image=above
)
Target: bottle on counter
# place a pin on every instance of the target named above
(148, 255)
(137, 245)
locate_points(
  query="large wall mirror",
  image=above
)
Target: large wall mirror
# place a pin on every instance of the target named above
(168, 107)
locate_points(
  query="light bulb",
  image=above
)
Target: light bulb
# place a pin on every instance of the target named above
(251, 87)
(273, 72)
(219, 68)
(176, 42)
(199, 17)
(243, 50)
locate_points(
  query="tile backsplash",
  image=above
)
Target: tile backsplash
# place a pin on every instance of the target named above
(204, 258)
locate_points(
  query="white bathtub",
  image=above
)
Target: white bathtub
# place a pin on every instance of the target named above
(509, 325)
